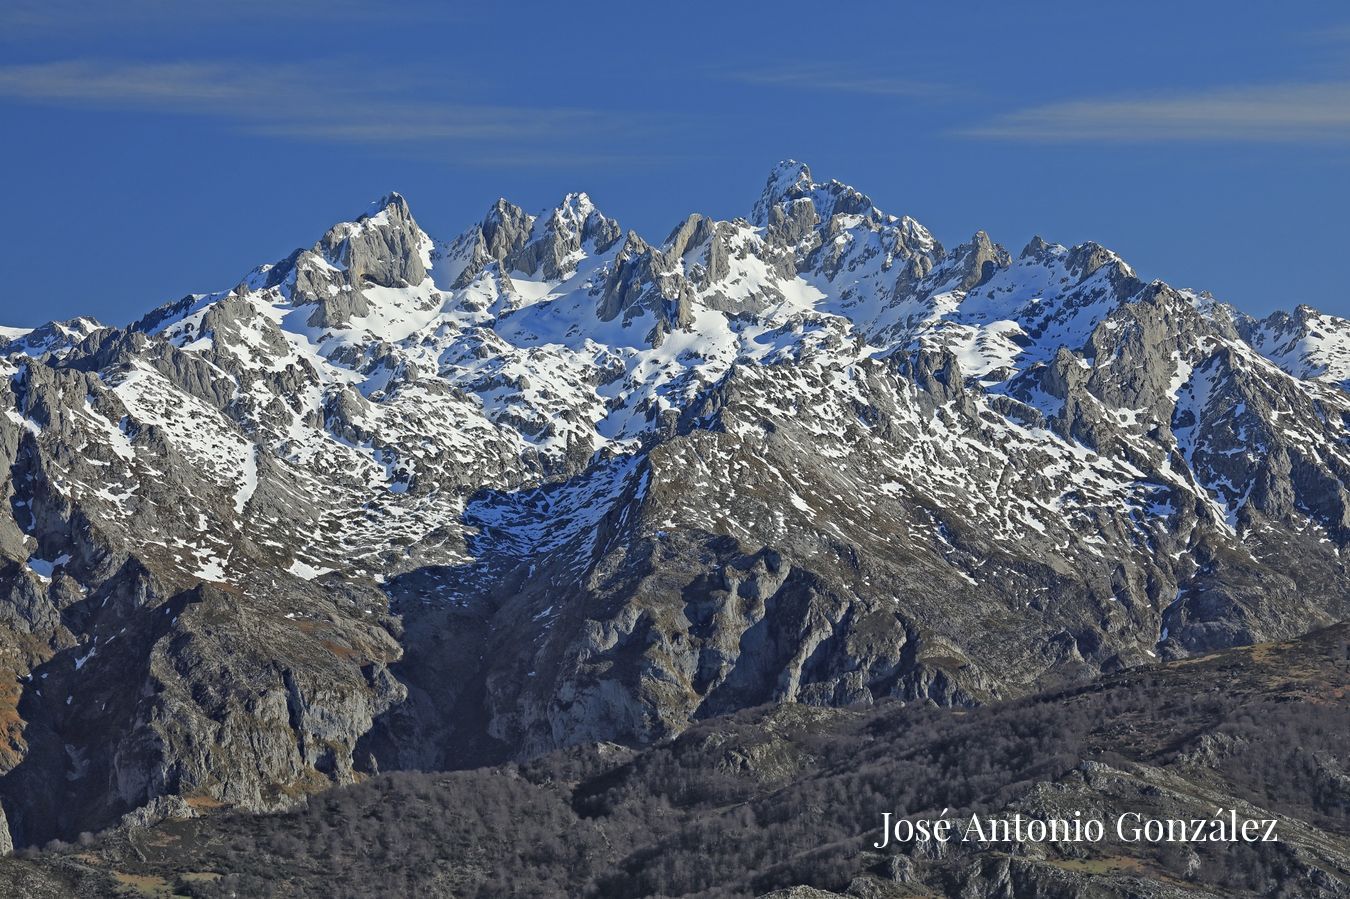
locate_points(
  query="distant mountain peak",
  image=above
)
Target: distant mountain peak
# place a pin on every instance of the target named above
(791, 181)
(55, 337)
(392, 199)
(785, 179)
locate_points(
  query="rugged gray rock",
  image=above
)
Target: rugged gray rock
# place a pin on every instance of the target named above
(392, 502)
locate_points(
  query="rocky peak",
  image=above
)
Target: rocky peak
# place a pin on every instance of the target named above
(1304, 342)
(505, 229)
(392, 202)
(702, 244)
(56, 337)
(1302, 318)
(578, 220)
(978, 260)
(1038, 249)
(547, 245)
(787, 180)
(1086, 258)
(790, 181)
(1303, 313)
(559, 238)
(688, 234)
(639, 280)
(383, 247)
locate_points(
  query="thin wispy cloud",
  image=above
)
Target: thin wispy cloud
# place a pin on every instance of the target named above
(836, 81)
(1287, 113)
(18, 17)
(1327, 34)
(319, 104)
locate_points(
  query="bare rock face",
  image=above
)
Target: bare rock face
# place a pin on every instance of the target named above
(393, 502)
(382, 249)
(197, 695)
(554, 246)
(547, 245)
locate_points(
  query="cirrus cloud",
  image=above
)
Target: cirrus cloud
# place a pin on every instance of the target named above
(331, 102)
(836, 80)
(1305, 113)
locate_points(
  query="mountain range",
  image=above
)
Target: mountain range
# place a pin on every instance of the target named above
(394, 502)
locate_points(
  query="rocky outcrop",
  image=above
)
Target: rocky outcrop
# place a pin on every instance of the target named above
(210, 696)
(382, 248)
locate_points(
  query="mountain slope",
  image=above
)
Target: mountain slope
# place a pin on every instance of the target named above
(791, 798)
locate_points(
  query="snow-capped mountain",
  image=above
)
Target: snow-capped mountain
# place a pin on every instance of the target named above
(402, 501)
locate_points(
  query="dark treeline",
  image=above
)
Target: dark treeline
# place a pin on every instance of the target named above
(776, 797)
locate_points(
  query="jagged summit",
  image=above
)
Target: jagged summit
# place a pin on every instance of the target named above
(790, 183)
(812, 248)
(54, 337)
(391, 199)
(816, 251)
(787, 178)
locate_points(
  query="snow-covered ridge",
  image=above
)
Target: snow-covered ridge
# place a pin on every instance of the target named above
(809, 250)
(396, 373)
(814, 259)
(54, 337)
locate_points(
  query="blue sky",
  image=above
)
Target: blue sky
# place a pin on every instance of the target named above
(153, 148)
